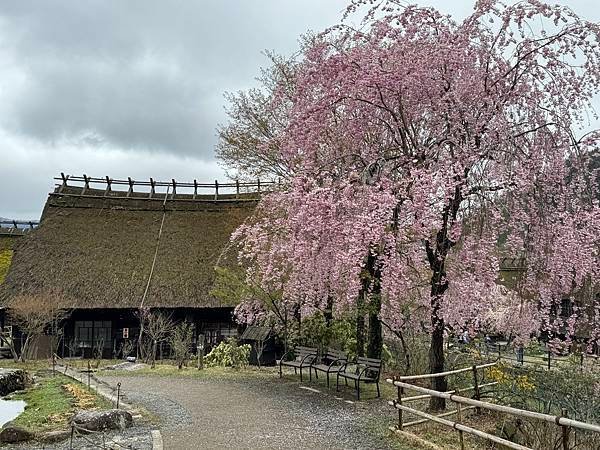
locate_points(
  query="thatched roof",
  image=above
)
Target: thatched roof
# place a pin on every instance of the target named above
(97, 248)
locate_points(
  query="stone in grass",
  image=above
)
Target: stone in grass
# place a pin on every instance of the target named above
(12, 380)
(111, 419)
(11, 434)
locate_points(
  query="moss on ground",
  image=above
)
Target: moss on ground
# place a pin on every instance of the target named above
(5, 259)
(53, 400)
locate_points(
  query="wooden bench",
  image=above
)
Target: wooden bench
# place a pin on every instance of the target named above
(365, 370)
(303, 357)
(332, 362)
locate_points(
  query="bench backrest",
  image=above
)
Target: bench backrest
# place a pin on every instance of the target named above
(301, 351)
(333, 354)
(373, 364)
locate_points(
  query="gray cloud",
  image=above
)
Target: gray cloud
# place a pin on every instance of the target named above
(141, 75)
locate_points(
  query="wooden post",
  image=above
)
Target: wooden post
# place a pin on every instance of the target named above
(195, 189)
(549, 356)
(476, 393)
(64, 182)
(131, 183)
(258, 184)
(174, 188)
(400, 422)
(237, 189)
(565, 432)
(216, 189)
(86, 184)
(152, 185)
(89, 371)
(200, 351)
(459, 420)
(108, 182)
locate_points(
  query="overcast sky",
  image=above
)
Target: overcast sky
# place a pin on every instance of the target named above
(135, 88)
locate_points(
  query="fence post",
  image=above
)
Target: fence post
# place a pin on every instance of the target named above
(459, 420)
(400, 392)
(549, 356)
(565, 432)
(118, 393)
(476, 393)
(200, 352)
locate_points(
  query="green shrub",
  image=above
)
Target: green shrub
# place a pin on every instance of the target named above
(228, 354)
(340, 334)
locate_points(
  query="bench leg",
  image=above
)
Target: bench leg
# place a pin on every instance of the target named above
(316, 374)
(280, 373)
(300, 373)
(337, 383)
(357, 383)
(378, 393)
(309, 373)
(327, 380)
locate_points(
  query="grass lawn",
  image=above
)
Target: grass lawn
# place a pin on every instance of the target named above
(164, 369)
(53, 400)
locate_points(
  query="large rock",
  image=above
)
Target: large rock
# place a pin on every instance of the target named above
(13, 380)
(112, 419)
(11, 434)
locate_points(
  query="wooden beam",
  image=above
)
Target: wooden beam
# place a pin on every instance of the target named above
(152, 185)
(65, 178)
(86, 184)
(131, 183)
(107, 190)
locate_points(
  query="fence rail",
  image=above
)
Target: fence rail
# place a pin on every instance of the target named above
(17, 227)
(150, 189)
(473, 403)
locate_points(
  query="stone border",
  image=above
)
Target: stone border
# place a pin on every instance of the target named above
(99, 388)
(157, 442)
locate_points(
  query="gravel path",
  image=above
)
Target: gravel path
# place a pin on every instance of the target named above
(250, 412)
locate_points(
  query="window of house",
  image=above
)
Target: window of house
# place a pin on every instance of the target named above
(88, 333)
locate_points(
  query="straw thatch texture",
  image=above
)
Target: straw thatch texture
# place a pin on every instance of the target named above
(98, 252)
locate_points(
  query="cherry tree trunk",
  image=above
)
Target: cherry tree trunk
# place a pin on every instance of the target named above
(375, 343)
(372, 285)
(436, 363)
(360, 326)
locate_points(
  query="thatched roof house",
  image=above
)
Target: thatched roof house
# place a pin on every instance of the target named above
(109, 249)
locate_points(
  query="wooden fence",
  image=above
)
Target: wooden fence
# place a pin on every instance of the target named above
(465, 403)
(17, 227)
(153, 189)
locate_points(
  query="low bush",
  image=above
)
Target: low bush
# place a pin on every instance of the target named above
(228, 354)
